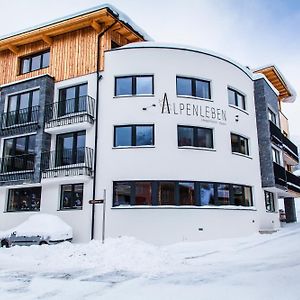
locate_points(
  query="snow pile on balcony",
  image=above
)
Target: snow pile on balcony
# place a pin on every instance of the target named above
(44, 225)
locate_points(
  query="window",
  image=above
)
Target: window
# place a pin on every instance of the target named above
(237, 99)
(72, 100)
(241, 195)
(239, 144)
(134, 135)
(134, 85)
(35, 62)
(166, 193)
(22, 108)
(71, 196)
(272, 116)
(27, 199)
(187, 193)
(270, 201)
(223, 194)
(193, 87)
(180, 193)
(70, 148)
(276, 156)
(195, 137)
(18, 154)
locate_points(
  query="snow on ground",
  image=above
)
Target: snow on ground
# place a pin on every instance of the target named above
(256, 267)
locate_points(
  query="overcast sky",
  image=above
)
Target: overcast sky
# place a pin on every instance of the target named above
(252, 32)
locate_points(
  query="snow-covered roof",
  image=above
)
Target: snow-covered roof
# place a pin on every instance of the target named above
(152, 44)
(292, 93)
(117, 13)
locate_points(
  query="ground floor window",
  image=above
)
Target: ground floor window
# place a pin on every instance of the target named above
(71, 196)
(179, 193)
(25, 199)
(270, 201)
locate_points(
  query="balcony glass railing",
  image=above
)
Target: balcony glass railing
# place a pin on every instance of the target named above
(293, 182)
(280, 175)
(18, 163)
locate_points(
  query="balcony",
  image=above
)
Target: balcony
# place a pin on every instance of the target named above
(293, 183)
(289, 148)
(77, 113)
(67, 163)
(20, 121)
(280, 175)
(17, 168)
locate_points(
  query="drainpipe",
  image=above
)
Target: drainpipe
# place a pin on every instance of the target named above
(99, 77)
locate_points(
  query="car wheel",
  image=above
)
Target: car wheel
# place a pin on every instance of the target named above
(4, 244)
(43, 243)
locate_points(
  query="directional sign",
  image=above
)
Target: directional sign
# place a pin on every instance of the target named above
(96, 201)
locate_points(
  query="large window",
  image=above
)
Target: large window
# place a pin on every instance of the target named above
(134, 135)
(195, 137)
(193, 87)
(26, 199)
(276, 156)
(34, 62)
(239, 144)
(18, 154)
(134, 85)
(22, 108)
(72, 100)
(237, 99)
(71, 196)
(70, 148)
(269, 202)
(180, 193)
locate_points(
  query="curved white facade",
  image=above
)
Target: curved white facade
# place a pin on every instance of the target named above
(165, 161)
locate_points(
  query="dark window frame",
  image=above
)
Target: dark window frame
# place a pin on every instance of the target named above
(133, 85)
(62, 99)
(72, 198)
(270, 202)
(240, 138)
(10, 191)
(195, 140)
(17, 110)
(193, 84)
(272, 116)
(177, 201)
(134, 135)
(236, 94)
(59, 149)
(30, 57)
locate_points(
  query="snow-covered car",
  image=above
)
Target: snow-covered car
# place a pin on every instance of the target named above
(38, 229)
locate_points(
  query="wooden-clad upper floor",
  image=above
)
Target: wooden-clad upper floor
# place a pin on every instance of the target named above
(72, 44)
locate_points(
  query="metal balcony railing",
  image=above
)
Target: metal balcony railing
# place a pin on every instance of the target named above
(76, 110)
(293, 182)
(67, 162)
(16, 168)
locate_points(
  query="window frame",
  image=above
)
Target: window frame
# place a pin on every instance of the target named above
(9, 195)
(134, 135)
(236, 93)
(273, 114)
(271, 201)
(239, 142)
(193, 88)
(195, 140)
(61, 207)
(177, 202)
(30, 57)
(133, 85)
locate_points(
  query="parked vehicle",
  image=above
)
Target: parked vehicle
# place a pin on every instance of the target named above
(38, 229)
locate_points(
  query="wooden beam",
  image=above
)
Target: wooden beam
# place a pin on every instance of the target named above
(96, 26)
(47, 39)
(13, 49)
